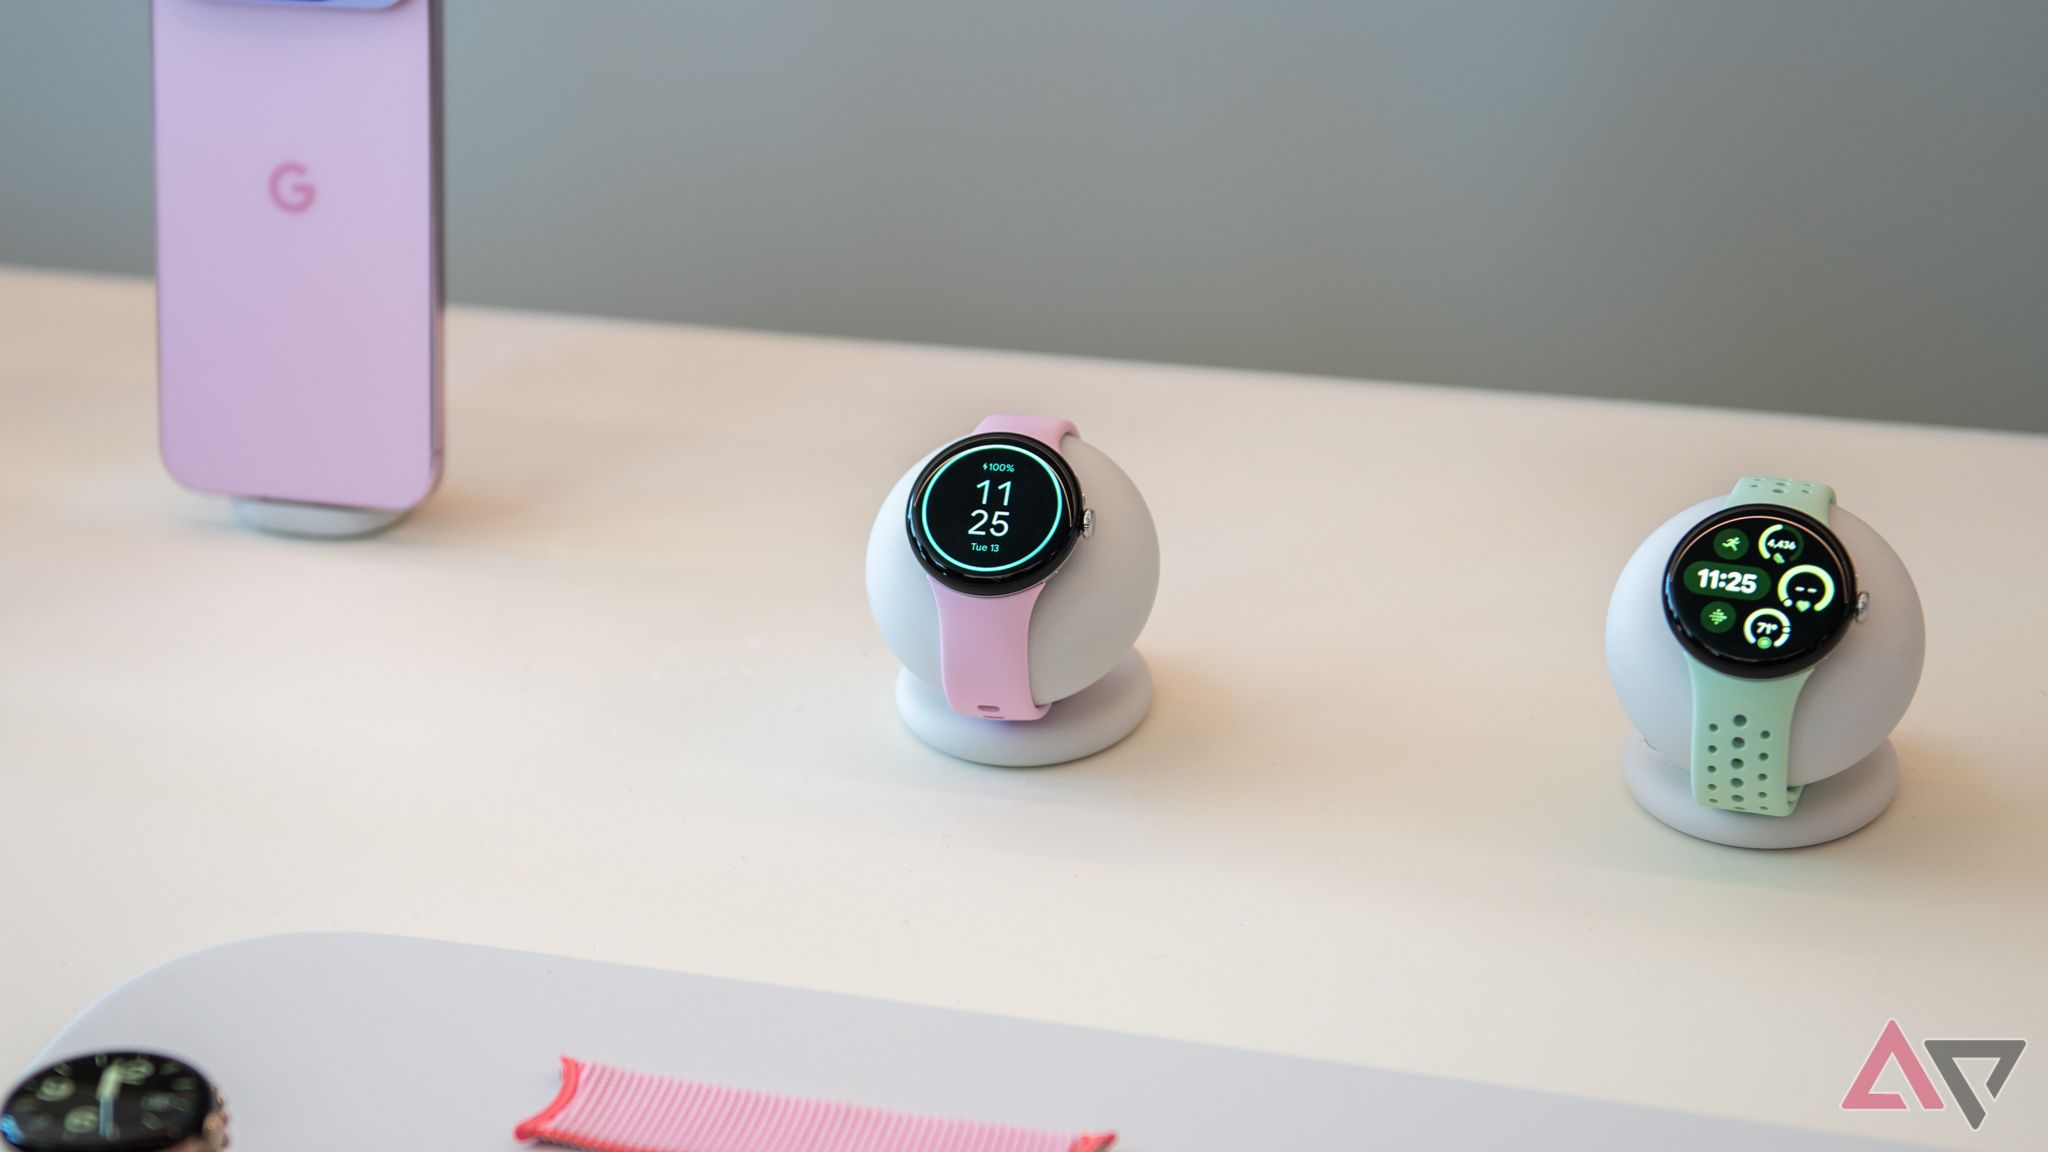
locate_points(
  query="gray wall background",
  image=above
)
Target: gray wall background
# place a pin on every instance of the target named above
(1820, 205)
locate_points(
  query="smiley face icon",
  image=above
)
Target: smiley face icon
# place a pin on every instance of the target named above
(1806, 588)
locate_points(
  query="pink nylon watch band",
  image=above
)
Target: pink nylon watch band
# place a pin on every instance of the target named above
(985, 641)
(606, 1109)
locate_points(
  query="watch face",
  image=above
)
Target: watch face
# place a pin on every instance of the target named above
(111, 1102)
(994, 514)
(1759, 591)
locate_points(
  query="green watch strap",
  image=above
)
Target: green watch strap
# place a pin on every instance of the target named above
(1816, 500)
(1742, 728)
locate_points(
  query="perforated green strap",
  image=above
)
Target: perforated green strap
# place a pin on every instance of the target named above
(1741, 728)
(1816, 500)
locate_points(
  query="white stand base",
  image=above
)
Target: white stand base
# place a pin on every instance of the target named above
(1828, 809)
(1083, 724)
(322, 521)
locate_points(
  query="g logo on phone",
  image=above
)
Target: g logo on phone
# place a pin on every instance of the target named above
(290, 189)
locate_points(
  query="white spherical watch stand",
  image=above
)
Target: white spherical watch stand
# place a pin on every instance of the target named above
(318, 521)
(1841, 739)
(1082, 629)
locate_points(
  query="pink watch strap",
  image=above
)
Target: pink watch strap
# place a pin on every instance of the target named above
(1044, 429)
(985, 641)
(606, 1109)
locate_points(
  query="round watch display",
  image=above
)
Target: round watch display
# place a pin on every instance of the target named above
(1759, 591)
(110, 1102)
(994, 514)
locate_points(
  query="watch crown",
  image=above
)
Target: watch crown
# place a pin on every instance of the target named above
(1862, 606)
(1087, 522)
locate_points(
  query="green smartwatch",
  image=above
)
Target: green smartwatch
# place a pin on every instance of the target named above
(1757, 593)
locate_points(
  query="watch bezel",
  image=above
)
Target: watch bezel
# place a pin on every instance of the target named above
(1681, 623)
(206, 1092)
(1040, 567)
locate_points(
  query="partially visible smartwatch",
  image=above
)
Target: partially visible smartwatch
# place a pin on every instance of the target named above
(991, 519)
(116, 1102)
(1758, 593)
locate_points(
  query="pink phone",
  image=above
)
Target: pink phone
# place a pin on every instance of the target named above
(298, 178)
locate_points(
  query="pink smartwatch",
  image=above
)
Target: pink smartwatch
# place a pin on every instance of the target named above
(992, 518)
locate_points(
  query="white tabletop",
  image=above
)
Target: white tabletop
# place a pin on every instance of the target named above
(614, 694)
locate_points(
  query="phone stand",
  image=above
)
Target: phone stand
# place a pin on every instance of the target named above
(1841, 747)
(1082, 630)
(299, 272)
(319, 521)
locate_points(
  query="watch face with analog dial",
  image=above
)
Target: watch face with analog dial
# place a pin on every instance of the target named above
(994, 514)
(108, 1102)
(1759, 591)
